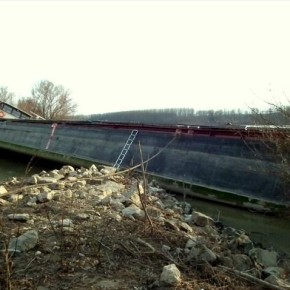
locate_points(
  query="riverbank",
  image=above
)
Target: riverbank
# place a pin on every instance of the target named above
(97, 229)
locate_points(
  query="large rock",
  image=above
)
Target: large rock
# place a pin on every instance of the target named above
(264, 257)
(242, 262)
(110, 187)
(55, 174)
(64, 223)
(201, 219)
(170, 275)
(133, 211)
(45, 196)
(2, 190)
(116, 205)
(22, 217)
(201, 253)
(153, 212)
(207, 255)
(79, 184)
(32, 180)
(57, 185)
(24, 242)
(192, 242)
(15, 197)
(93, 169)
(107, 170)
(46, 179)
(66, 169)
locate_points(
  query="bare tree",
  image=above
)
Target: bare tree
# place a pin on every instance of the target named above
(49, 101)
(28, 105)
(6, 96)
(275, 136)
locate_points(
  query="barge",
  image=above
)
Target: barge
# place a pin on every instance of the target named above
(222, 164)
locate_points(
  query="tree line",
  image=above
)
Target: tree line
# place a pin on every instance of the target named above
(46, 101)
(53, 102)
(196, 117)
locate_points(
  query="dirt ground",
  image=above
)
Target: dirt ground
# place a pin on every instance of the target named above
(99, 251)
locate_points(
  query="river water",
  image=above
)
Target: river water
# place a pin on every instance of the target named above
(19, 165)
(268, 230)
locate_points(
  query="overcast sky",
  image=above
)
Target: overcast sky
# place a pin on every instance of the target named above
(127, 55)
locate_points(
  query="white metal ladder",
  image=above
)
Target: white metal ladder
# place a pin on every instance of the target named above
(125, 149)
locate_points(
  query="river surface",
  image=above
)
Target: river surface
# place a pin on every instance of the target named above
(18, 165)
(268, 230)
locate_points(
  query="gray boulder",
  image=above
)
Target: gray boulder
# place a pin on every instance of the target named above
(170, 275)
(24, 243)
(264, 257)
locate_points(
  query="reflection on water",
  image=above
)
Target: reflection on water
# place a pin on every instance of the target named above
(267, 230)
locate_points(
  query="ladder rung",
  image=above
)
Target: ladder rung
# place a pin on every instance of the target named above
(125, 148)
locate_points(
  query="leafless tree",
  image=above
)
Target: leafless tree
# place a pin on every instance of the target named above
(28, 105)
(6, 96)
(275, 135)
(49, 101)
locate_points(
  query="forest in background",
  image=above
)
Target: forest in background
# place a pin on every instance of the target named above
(189, 116)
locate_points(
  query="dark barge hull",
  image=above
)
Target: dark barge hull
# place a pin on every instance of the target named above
(222, 164)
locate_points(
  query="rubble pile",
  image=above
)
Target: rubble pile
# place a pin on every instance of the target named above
(100, 229)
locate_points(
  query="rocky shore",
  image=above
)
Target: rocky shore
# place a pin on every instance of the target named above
(94, 228)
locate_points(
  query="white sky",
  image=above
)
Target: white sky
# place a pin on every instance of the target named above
(127, 55)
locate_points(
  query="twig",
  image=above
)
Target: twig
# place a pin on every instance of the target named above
(103, 236)
(134, 254)
(251, 278)
(155, 252)
(8, 264)
(23, 270)
(144, 207)
(145, 190)
(139, 240)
